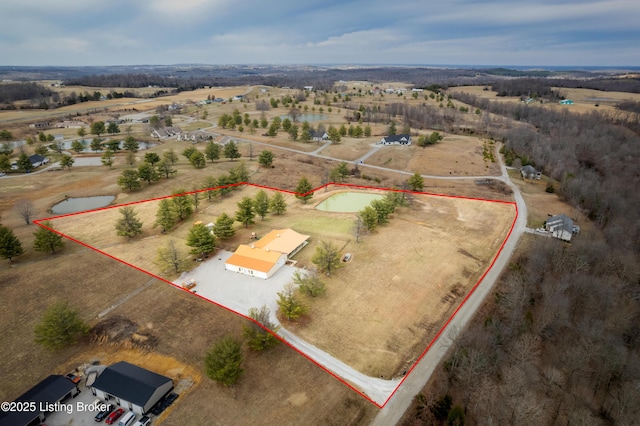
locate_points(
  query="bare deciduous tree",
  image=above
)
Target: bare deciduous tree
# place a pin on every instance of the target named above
(25, 209)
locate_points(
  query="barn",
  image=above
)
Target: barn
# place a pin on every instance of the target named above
(266, 256)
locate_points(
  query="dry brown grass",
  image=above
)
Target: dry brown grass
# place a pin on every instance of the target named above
(278, 386)
(455, 155)
(541, 204)
(585, 100)
(456, 239)
(406, 278)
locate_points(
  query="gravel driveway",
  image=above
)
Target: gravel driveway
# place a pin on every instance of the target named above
(240, 293)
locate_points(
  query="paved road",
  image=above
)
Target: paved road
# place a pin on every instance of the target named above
(418, 377)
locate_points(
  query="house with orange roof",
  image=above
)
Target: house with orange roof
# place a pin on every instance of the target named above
(266, 256)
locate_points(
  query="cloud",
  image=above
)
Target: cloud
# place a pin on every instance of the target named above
(41, 32)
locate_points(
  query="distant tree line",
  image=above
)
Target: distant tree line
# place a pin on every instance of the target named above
(12, 92)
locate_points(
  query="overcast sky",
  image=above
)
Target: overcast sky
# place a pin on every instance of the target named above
(456, 32)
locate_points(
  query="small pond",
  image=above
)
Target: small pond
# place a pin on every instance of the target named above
(66, 145)
(305, 117)
(73, 205)
(348, 202)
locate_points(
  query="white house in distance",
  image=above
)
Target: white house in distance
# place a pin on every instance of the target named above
(396, 140)
(266, 256)
(131, 387)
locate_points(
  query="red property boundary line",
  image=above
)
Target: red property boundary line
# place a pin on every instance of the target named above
(345, 185)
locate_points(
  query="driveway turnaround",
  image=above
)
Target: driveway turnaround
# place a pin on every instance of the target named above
(239, 293)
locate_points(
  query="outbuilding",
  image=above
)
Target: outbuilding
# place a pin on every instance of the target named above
(263, 258)
(49, 393)
(131, 387)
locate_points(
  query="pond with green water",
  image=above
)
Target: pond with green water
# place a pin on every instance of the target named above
(348, 202)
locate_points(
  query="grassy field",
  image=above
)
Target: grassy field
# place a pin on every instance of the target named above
(454, 155)
(382, 308)
(585, 100)
(279, 386)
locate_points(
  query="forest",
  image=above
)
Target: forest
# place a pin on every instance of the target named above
(559, 342)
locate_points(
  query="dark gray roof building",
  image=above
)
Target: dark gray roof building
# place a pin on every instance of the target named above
(396, 140)
(562, 227)
(529, 172)
(132, 387)
(51, 390)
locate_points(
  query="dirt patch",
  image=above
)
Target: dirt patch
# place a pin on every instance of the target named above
(123, 333)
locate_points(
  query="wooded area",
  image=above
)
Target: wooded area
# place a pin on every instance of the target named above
(559, 342)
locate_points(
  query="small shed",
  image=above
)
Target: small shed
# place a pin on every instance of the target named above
(131, 387)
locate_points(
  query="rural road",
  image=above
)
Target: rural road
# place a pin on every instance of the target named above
(399, 393)
(413, 383)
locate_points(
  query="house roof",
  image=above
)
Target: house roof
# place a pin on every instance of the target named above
(50, 390)
(529, 169)
(561, 221)
(35, 158)
(396, 138)
(258, 259)
(130, 382)
(281, 240)
(319, 134)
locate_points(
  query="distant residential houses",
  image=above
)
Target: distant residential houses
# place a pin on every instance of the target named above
(566, 102)
(166, 132)
(40, 125)
(396, 140)
(195, 136)
(35, 160)
(67, 124)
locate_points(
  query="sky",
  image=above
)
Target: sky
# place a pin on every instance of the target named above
(394, 32)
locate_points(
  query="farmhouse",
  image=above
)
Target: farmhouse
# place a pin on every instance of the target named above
(37, 160)
(529, 172)
(396, 140)
(319, 135)
(49, 392)
(132, 387)
(561, 227)
(263, 258)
